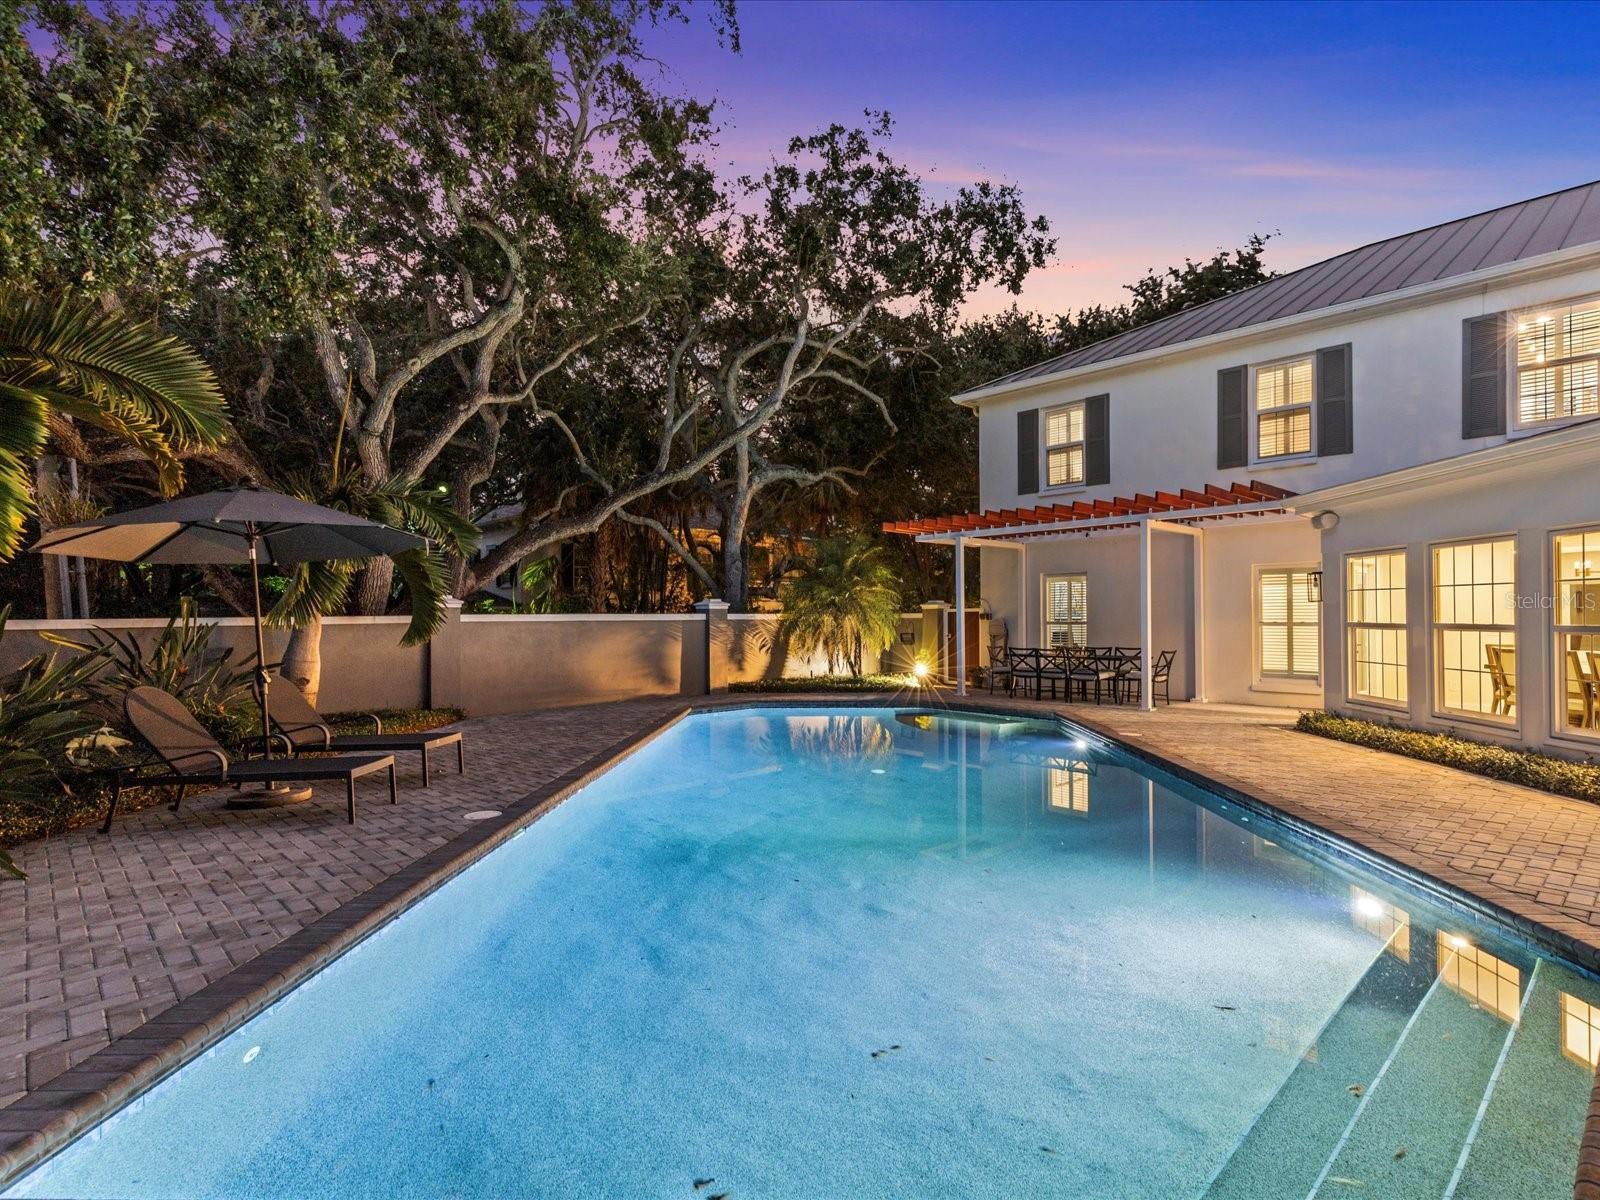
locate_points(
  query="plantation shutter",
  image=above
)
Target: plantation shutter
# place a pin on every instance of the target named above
(1096, 440)
(1028, 452)
(1233, 440)
(1066, 610)
(1287, 624)
(1335, 404)
(1483, 376)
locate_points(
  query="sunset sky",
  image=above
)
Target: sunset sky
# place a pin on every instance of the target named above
(1150, 132)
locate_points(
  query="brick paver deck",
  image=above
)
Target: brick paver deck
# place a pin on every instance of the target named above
(107, 932)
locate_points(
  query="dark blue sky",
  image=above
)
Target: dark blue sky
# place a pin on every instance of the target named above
(1148, 132)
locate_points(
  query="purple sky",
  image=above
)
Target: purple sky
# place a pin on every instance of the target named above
(1149, 132)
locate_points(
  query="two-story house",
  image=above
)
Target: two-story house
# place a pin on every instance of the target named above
(1372, 483)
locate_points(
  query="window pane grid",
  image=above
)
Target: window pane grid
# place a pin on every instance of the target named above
(1063, 439)
(1577, 626)
(1375, 615)
(1479, 975)
(1288, 629)
(1558, 364)
(1284, 393)
(1066, 610)
(1475, 645)
(1580, 1030)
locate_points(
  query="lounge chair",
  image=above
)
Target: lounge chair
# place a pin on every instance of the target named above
(302, 727)
(185, 754)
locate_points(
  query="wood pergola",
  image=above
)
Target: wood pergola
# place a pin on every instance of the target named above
(1183, 510)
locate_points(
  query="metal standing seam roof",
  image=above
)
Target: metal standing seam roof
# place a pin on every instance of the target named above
(1558, 221)
(1184, 504)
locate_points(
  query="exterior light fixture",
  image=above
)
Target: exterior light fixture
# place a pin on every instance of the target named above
(919, 671)
(1314, 587)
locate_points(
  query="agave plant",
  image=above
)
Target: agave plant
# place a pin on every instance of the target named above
(211, 684)
(318, 589)
(841, 600)
(44, 707)
(72, 359)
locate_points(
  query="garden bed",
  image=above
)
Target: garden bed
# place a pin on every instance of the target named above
(1579, 780)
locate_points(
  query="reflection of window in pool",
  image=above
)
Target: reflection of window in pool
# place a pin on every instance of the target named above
(1479, 975)
(1382, 920)
(1068, 786)
(1580, 1030)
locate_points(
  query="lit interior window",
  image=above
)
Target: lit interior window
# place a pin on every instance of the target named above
(1383, 920)
(1283, 409)
(1580, 1030)
(1577, 587)
(1068, 786)
(1066, 610)
(1375, 615)
(1288, 628)
(1558, 364)
(1474, 617)
(1479, 975)
(1063, 445)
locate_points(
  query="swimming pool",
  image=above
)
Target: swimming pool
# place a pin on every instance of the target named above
(869, 953)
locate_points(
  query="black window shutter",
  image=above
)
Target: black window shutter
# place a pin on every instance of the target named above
(1233, 441)
(1097, 440)
(1335, 401)
(1483, 376)
(1028, 452)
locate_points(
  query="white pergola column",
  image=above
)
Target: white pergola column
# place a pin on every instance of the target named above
(961, 617)
(1146, 700)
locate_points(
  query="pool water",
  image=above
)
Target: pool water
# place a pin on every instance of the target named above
(865, 953)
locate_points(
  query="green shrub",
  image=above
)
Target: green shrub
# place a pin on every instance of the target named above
(827, 683)
(43, 709)
(218, 691)
(1581, 781)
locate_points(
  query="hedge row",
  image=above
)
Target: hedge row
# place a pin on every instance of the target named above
(84, 798)
(1581, 781)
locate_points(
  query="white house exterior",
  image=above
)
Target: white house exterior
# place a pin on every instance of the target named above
(1429, 402)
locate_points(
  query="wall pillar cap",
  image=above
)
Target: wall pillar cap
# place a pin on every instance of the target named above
(936, 604)
(711, 605)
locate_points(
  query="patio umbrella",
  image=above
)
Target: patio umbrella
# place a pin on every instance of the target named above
(232, 527)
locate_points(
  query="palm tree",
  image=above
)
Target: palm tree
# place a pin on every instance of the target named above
(841, 600)
(319, 589)
(71, 359)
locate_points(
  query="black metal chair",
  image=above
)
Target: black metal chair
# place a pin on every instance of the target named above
(1055, 668)
(1097, 666)
(1160, 677)
(1127, 664)
(1026, 667)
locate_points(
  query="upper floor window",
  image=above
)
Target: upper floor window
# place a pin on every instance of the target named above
(1558, 363)
(1063, 445)
(1283, 396)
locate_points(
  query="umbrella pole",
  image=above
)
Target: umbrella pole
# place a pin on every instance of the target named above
(263, 676)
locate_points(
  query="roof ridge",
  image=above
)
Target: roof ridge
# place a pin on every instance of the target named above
(1041, 369)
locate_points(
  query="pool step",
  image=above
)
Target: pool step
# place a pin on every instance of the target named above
(1527, 1142)
(1415, 1117)
(1290, 1140)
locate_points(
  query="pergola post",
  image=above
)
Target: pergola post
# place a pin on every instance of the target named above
(961, 617)
(1146, 700)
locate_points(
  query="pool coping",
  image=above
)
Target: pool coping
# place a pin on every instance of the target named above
(46, 1118)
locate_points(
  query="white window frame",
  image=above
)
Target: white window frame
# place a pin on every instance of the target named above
(1082, 406)
(1271, 460)
(1403, 628)
(1045, 622)
(1514, 386)
(1280, 683)
(1560, 632)
(1487, 721)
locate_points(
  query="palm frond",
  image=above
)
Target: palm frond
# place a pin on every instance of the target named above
(425, 577)
(315, 590)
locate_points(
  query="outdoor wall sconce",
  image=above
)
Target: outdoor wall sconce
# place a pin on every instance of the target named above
(1314, 587)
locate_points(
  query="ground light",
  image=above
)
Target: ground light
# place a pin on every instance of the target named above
(919, 673)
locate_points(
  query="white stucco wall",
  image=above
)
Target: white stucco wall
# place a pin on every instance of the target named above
(1406, 362)
(1525, 502)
